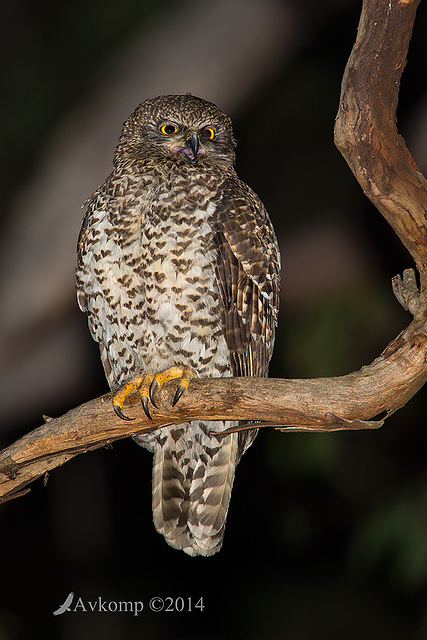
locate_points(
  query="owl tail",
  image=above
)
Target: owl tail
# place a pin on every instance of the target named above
(193, 476)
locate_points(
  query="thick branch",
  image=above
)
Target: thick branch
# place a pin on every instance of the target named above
(366, 134)
(365, 129)
(322, 404)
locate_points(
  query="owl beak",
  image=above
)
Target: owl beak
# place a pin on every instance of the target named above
(191, 147)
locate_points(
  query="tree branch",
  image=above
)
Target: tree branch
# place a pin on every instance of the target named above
(365, 129)
(367, 136)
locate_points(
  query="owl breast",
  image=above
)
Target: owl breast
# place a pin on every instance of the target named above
(153, 292)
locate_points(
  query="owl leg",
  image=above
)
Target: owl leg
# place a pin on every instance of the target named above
(147, 386)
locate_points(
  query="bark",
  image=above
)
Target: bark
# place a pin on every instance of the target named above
(367, 136)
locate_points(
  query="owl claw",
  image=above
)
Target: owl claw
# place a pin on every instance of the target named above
(122, 394)
(184, 375)
(144, 402)
(178, 394)
(155, 384)
(120, 414)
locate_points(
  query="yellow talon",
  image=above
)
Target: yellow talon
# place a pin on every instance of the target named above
(187, 375)
(144, 393)
(122, 394)
(184, 374)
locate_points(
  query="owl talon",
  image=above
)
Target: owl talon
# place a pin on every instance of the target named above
(155, 384)
(179, 392)
(122, 394)
(187, 375)
(118, 411)
(183, 374)
(144, 402)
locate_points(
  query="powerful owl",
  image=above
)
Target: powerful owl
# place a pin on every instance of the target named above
(178, 271)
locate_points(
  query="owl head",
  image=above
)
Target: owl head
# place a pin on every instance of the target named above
(182, 128)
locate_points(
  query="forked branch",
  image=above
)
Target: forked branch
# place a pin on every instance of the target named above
(366, 134)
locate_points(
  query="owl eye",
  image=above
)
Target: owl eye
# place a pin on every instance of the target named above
(208, 133)
(168, 129)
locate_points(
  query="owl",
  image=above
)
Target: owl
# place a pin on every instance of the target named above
(178, 272)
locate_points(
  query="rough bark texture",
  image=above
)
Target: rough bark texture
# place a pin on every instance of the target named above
(366, 132)
(367, 136)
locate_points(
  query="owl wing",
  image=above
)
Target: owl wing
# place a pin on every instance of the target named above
(96, 206)
(247, 273)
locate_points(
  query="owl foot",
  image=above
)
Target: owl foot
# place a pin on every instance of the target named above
(148, 385)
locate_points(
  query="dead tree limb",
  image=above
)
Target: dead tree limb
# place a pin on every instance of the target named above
(366, 134)
(366, 131)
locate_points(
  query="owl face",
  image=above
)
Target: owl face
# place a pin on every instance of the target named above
(180, 128)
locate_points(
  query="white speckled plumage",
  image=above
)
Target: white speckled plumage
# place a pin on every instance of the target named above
(178, 265)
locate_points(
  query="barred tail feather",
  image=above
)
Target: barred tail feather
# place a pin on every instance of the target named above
(192, 488)
(169, 495)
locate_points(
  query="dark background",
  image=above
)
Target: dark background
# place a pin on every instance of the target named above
(327, 534)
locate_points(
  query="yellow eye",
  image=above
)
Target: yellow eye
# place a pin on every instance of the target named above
(208, 133)
(168, 129)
